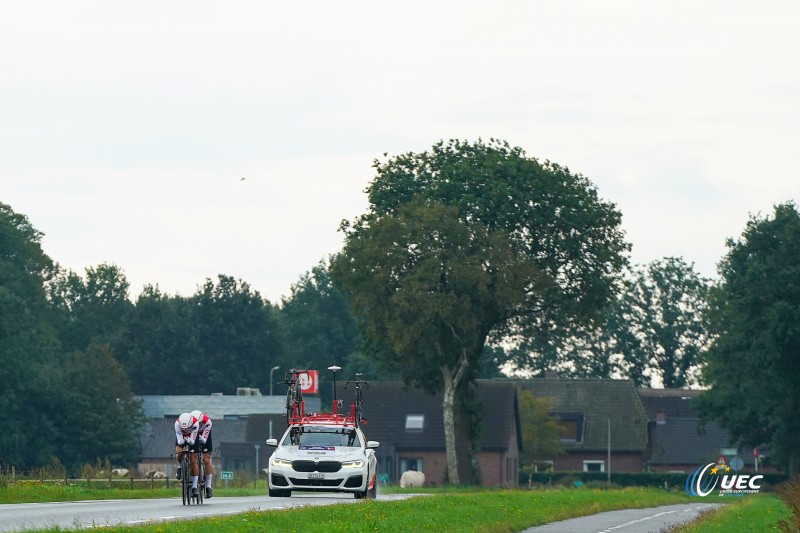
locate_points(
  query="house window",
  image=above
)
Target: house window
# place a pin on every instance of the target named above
(410, 463)
(415, 422)
(571, 427)
(594, 466)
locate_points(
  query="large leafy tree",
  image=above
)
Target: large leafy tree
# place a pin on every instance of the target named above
(29, 349)
(753, 366)
(102, 419)
(469, 240)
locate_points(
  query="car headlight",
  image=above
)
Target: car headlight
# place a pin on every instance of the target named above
(281, 462)
(353, 464)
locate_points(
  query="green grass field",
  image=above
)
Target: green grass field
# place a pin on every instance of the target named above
(449, 510)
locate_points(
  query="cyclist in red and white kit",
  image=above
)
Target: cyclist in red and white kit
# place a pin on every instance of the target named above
(187, 428)
(205, 444)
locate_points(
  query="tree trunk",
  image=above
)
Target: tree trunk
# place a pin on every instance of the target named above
(451, 380)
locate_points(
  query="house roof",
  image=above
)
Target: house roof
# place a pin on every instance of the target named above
(680, 438)
(387, 405)
(675, 403)
(599, 401)
(682, 441)
(219, 406)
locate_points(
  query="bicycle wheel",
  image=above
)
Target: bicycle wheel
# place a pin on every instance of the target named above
(201, 479)
(186, 480)
(298, 395)
(289, 406)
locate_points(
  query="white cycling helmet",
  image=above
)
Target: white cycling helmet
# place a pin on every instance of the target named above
(197, 414)
(185, 421)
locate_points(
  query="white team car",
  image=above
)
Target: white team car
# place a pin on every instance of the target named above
(323, 453)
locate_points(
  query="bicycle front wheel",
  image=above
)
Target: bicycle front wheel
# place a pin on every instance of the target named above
(186, 481)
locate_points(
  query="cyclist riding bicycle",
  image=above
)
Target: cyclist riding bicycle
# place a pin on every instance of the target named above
(205, 444)
(186, 429)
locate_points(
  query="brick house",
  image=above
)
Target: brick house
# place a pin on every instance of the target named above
(595, 415)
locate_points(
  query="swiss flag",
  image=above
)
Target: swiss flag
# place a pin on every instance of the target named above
(309, 382)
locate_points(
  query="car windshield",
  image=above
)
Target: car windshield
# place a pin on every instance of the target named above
(321, 436)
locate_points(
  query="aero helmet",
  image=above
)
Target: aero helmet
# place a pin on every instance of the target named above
(185, 421)
(197, 414)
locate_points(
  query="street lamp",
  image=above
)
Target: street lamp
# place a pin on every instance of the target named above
(276, 367)
(333, 369)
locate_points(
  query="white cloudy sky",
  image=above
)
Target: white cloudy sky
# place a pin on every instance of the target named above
(126, 127)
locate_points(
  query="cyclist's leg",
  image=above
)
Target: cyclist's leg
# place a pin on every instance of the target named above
(209, 448)
(179, 458)
(195, 468)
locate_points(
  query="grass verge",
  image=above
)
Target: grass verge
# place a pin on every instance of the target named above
(753, 513)
(37, 492)
(451, 510)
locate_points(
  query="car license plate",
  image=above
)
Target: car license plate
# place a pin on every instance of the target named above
(316, 475)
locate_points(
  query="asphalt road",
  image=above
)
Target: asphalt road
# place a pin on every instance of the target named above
(98, 513)
(651, 520)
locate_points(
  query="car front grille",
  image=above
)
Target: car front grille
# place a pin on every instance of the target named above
(297, 482)
(312, 466)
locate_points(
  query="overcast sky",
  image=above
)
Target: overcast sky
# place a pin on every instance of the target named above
(126, 127)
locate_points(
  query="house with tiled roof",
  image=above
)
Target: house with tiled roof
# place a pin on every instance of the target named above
(597, 416)
(679, 442)
(409, 425)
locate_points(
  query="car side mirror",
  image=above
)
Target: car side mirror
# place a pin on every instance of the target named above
(272, 442)
(373, 444)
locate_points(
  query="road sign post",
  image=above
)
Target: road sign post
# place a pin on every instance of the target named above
(226, 476)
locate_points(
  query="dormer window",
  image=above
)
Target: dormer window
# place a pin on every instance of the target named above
(571, 427)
